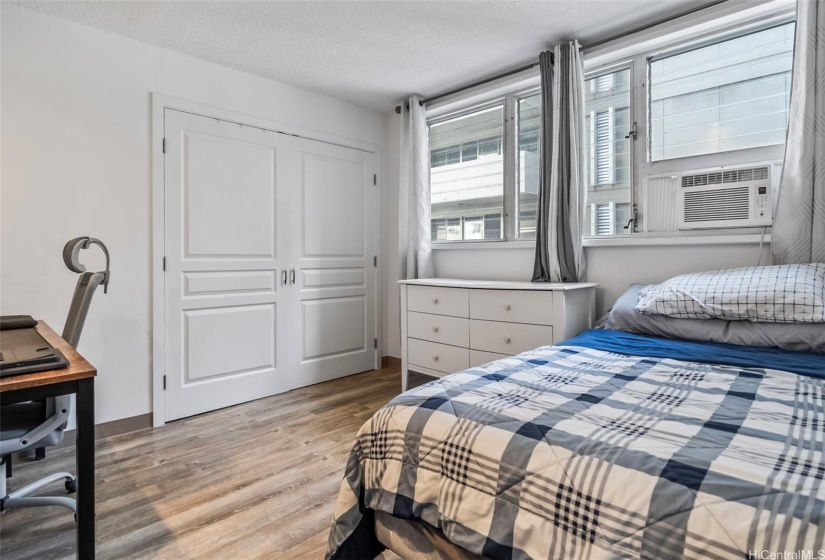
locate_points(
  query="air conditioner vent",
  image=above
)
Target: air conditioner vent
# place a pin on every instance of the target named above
(722, 177)
(721, 204)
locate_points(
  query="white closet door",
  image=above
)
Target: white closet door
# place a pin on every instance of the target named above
(225, 230)
(333, 246)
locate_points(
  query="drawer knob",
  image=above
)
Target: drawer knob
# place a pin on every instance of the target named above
(506, 307)
(435, 301)
(435, 358)
(507, 339)
(435, 329)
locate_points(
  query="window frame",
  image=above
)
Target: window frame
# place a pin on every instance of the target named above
(686, 33)
(642, 165)
(762, 153)
(630, 66)
(493, 102)
(522, 93)
(509, 150)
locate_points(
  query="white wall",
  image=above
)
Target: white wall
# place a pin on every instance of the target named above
(613, 268)
(75, 107)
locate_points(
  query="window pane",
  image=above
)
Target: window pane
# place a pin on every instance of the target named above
(529, 138)
(469, 151)
(467, 181)
(446, 229)
(730, 95)
(607, 170)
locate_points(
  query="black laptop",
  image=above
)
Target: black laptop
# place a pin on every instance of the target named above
(24, 350)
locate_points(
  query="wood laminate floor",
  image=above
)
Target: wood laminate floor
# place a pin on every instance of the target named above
(257, 480)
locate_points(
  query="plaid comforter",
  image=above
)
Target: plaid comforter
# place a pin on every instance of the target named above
(569, 452)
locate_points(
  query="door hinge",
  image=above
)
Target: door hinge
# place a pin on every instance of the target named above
(164, 382)
(164, 264)
(375, 179)
(375, 261)
(376, 344)
(164, 145)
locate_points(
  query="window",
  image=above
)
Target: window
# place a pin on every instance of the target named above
(607, 172)
(467, 176)
(715, 102)
(529, 141)
(475, 177)
(692, 107)
(730, 95)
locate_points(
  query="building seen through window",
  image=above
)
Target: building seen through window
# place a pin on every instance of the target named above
(467, 172)
(467, 176)
(730, 95)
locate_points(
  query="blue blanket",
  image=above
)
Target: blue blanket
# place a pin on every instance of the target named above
(620, 342)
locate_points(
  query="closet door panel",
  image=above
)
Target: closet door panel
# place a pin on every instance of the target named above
(226, 230)
(333, 251)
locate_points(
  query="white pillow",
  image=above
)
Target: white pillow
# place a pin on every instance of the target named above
(791, 293)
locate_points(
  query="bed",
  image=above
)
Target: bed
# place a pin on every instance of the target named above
(609, 445)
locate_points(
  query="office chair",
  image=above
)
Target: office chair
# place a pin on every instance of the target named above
(40, 424)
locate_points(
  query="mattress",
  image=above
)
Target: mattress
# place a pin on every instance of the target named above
(608, 446)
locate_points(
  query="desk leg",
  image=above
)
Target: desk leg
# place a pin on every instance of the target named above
(85, 453)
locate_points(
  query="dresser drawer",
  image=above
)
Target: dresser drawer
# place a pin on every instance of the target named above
(443, 301)
(479, 357)
(512, 306)
(439, 357)
(508, 338)
(439, 328)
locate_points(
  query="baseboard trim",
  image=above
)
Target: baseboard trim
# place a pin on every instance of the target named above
(390, 361)
(109, 429)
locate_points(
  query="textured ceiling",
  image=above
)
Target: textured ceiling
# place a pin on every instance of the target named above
(369, 52)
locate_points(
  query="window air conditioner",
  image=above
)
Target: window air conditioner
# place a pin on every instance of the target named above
(726, 198)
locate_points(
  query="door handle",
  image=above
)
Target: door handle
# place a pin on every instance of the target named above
(283, 277)
(292, 276)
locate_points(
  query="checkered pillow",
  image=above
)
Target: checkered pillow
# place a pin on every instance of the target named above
(793, 293)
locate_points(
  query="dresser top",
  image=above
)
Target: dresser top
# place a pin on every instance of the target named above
(496, 284)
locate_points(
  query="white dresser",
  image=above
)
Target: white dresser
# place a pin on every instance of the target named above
(448, 325)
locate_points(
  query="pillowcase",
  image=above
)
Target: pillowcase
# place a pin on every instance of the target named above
(790, 293)
(799, 337)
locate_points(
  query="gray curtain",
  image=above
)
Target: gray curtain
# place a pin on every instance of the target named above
(414, 193)
(560, 213)
(798, 234)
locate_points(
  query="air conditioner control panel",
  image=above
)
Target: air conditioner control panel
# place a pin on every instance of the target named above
(763, 204)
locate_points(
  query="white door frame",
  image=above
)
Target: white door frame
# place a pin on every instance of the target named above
(162, 102)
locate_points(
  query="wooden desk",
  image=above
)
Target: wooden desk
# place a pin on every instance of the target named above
(76, 379)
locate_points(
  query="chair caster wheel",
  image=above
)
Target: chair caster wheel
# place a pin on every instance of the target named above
(71, 485)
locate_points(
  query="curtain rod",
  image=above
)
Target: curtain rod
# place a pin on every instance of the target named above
(474, 84)
(480, 82)
(589, 46)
